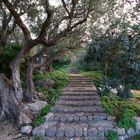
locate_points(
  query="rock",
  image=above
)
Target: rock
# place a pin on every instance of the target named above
(51, 132)
(24, 120)
(45, 83)
(121, 138)
(69, 132)
(113, 91)
(37, 105)
(92, 132)
(78, 132)
(85, 132)
(60, 132)
(130, 132)
(49, 116)
(26, 129)
(39, 131)
(17, 136)
(121, 131)
(101, 132)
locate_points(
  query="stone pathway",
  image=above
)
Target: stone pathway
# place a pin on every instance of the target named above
(77, 114)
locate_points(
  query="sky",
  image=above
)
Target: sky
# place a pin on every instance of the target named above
(54, 2)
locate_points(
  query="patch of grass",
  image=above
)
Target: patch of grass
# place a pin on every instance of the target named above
(38, 121)
(96, 76)
(112, 135)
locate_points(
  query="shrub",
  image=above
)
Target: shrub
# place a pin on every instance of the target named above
(112, 135)
(126, 119)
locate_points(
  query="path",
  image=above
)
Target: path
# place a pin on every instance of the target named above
(78, 113)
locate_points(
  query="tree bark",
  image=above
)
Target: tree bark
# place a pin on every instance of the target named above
(30, 91)
(10, 105)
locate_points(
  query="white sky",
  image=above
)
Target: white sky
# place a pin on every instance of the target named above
(54, 2)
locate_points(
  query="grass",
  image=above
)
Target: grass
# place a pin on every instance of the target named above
(96, 76)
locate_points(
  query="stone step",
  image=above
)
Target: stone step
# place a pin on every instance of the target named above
(61, 108)
(59, 117)
(81, 80)
(92, 93)
(72, 130)
(78, 98)
(79, 89)
(79, 85)
(79, 103)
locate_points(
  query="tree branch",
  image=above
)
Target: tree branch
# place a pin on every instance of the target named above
(18, 19)
(47, 22)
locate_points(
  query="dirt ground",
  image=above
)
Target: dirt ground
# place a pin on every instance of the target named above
(9, 131)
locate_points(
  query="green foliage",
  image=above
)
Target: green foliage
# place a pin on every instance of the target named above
(114, 105)
(126, 119)
(137, 137)
(61, 78)
(58, 64)
(38, 121)
(108, 83)
(96, 76)
(36, 138)
(125, 111)
(112, 135)
(7, 56)
(46, 110)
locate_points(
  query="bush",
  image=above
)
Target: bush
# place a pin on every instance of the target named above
(126, 119)
(112, 135)
(125, 111)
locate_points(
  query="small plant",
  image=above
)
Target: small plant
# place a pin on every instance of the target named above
(36, 138)
(126, 119)
(38, 121)
(112, 135)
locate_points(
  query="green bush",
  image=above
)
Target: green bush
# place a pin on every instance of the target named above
(112, 135)
(124, 110)
(126, 119)
(114, 105)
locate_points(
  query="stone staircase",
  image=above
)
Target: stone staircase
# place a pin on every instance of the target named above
(78, 114)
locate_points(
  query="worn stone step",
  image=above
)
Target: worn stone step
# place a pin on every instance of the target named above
(82, 93)
(59, 117)
(79, 89)
(79, 98)
(72, 130)
(80, 86)
(79, 103)
(61, 108)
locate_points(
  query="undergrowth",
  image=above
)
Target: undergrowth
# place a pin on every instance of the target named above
(61, 79)
(123, 110)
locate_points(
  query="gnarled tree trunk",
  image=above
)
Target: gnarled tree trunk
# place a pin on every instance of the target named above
(10, 105)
